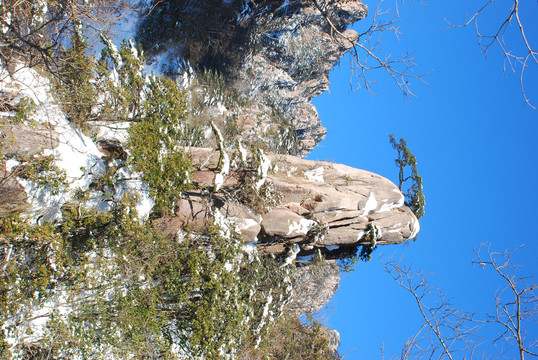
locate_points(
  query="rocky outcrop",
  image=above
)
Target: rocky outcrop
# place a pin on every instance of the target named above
(275, 53)
(296, 53)
(319, 206)
(315, 285)
(19, 141)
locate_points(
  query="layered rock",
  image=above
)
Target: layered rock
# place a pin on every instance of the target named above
(320, 205)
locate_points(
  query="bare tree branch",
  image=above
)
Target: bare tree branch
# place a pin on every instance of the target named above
(514, 61)
(516, 303)
(365, 49)
(446, 331)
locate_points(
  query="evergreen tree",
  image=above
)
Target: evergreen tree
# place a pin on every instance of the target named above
(409, 182)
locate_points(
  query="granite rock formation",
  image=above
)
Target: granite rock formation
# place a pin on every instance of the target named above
(276, 53)
(320, 206)
(297, 51)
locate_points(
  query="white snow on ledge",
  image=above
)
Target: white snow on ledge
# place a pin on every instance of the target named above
(371, 204)
(301, 227)
(315, 174)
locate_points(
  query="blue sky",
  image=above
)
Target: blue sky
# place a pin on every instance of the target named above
(475, 143)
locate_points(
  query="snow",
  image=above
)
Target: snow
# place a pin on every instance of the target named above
(290, 171)
(10, 164)
(245, 223)
(251, 250)
(75, 150)
(128, 182)
(242, 152)
(117, 131)
(301, 227)
(371, 204)
(265, 313)
(180, 236)
(113, 50)
(7, 21)
(415, 228)
(315, 174)
(29, 327)
(295, 249)
(401, 200)
(76, 153)
(221, 108)
(360, 235)
(223, 223)
(263, 170)
(228, 266)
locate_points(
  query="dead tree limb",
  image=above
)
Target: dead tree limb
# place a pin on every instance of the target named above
(517, 62)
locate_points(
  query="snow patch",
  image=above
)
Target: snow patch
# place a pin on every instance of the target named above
(415, 228)
(265, 313)
(10, 164)
(251, 250)
(263, 170)
(371, 204)
(401, 200)
(295, 249)
(315, 174)
(76, 153)
(290, 171)
(117, 131)
(242, 152)
(301, 227)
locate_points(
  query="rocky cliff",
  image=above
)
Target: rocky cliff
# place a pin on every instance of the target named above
(276, 53)
(317, 206)
(223, 223)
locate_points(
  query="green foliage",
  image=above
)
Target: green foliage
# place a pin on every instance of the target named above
(24, 110)
(73, 85)
(289, 338)
(155, 143)
(409, 182)
(44, 173)
(364, 251)
(258, 198)
(133, 292)
(121, 80)
(29, 268)
(360, 253)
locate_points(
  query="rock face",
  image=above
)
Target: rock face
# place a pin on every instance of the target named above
(20, 141)
(321, 206)
(276, 53)
(315, 285)
(296, 53)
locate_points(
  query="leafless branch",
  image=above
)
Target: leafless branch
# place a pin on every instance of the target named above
(516, 303)
(514, 60)
(446, 331)
(366, 51)
(34, 32)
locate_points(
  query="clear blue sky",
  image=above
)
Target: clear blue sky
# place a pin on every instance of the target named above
(476, 146)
